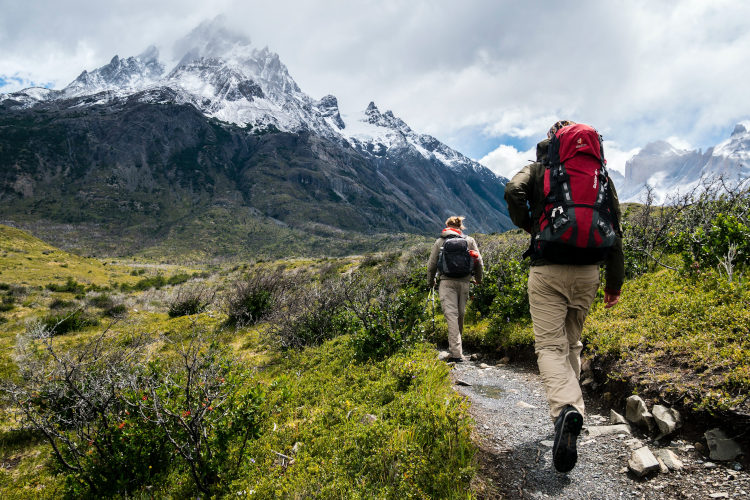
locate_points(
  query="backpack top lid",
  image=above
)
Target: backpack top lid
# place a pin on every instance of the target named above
(578, 139)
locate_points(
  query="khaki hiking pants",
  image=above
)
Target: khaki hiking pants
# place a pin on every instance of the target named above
(453, 297)
(560, 297)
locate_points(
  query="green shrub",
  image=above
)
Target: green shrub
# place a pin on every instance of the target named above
(68, 321)
(121, 423)
(312, 315)
(7, 303)
(253, 297)
(71, 286)
(190, 301)
(102, 301)
(58, 303)
(724, 245)
(178, 279)
(388, 321)
(116, 311)
(156, 281)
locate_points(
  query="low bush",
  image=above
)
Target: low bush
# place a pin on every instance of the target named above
(70, 286)
(254, 296)
(58, 303)
(7, 303)
(390, 310)
(192, 300)
(102, 301)
(312, 315)
(68, 321)
(116, 311)
(121, 422)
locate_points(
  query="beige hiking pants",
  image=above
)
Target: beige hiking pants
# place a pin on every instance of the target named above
(453, 297)
(560, 297)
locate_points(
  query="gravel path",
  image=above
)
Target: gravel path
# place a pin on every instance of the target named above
(515, 433)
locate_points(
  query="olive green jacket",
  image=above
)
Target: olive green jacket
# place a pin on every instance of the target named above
(525, 197)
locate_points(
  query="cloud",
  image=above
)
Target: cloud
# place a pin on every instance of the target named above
(507, 160)
(638, 71)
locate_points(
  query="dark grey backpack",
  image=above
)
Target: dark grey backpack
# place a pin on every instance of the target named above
(455, 261)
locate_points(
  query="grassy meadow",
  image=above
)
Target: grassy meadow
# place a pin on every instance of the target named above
(318, 377)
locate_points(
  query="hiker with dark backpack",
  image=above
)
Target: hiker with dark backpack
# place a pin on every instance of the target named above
(568, 204)
(455, 259)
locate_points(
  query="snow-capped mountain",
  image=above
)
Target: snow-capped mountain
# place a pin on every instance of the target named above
(225, 77)
(149, 151)
(131, 74)
(670, 171)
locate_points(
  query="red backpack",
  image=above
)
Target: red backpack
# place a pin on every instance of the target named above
(577, 224)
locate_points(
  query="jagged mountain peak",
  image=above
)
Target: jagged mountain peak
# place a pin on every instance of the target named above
(387, 119)
(131, 73)
(740, 129)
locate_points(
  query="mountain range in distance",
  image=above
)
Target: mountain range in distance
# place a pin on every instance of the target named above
(670, 171)
(224, 154)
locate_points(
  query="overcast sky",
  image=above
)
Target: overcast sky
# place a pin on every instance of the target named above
(486, 77)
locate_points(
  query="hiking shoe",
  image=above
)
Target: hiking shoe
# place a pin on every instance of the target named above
(567, 428)
(455, 360)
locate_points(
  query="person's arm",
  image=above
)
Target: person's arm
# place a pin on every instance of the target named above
(478, 271)
(517, 194)
(432, 263)
(614, 274)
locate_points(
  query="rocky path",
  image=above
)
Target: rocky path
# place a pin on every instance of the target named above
(515, 433)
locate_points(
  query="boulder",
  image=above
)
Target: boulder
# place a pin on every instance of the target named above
(670, 459)
(667, 419)
(643, 462)
(637, 413)
(720, 446)
(615, 418)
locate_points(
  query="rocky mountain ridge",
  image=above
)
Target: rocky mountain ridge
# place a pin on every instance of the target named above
(670, 171)
(135, 148)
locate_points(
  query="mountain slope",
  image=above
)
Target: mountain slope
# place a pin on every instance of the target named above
(220, 146)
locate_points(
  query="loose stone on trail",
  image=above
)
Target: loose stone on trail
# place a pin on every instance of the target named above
(670, 459)
(616, 418)
(667, 419)
(607, 430)
(637, 413)
(643, 462)
(721, 447)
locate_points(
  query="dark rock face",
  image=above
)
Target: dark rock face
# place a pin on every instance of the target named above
(141, 165)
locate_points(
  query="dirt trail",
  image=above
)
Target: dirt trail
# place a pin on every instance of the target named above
(515, 433)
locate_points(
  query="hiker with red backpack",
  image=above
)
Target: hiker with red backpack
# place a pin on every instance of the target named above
(568, 204)
(455, 259)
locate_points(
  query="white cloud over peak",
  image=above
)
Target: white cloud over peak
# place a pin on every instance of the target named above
(507, 160)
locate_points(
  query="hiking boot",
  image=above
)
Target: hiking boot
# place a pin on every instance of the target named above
(567, 428)
(454, 360)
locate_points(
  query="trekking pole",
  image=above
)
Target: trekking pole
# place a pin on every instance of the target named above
(432, 299)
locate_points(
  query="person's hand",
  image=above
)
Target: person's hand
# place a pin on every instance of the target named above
(610, 299)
